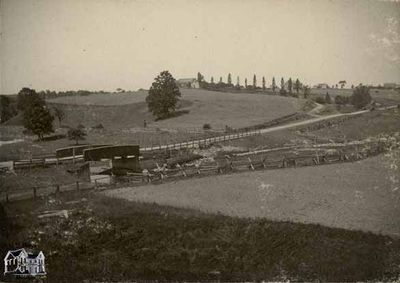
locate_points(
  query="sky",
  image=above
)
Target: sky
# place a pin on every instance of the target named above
(104, 45)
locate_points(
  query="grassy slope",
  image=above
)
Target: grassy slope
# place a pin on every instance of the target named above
(362, 195)
(383, 96)
(364, 126)
(216, 108)
(114, 240)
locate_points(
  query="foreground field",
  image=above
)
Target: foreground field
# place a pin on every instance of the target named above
(363, 196)
(92, 238)
(199, 107)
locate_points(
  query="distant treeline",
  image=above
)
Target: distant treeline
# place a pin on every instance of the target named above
(46, 94)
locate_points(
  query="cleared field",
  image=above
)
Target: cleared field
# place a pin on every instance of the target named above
(102, 98)
(363, 196)
(383, 96)
(364, 126)
(199, 107)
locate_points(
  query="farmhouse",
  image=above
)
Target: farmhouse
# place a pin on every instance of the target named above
(24, 263)
(188, 83)
(322, 85)
(390, 85)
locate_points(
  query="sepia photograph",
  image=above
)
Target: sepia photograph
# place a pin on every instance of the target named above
(199, 141)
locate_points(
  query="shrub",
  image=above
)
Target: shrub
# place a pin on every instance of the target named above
(361, 97)
(98, 127)
(342, 100)
(320, 100)
(328, 99)
(206, 126)
(76, 134)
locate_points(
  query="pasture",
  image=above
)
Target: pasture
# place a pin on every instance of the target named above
(197, 108)
(363, 195)
(382, 96)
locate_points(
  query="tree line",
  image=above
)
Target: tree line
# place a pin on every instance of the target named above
(289, 87)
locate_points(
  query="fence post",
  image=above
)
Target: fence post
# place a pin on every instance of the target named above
(77, 185)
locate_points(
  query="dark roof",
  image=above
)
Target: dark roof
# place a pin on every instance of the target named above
(33, 254)
(16, 252)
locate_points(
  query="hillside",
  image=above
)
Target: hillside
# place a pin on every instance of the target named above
(198, 108)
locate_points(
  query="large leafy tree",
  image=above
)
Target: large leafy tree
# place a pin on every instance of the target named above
(163, 95)
(28, 98)
(38, 120)
(7, 109)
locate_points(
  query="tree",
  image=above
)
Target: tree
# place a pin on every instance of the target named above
(328, 99)
(38, 120)
(212, 80)
(342, 83)
(245, 82)
(7, 109)
(28, 98)
(306, 91)
(273, 84)
(76, 134)
(297, 85)
(59, 114)
(220, 80)
(361, 97)
(163, 95)
(282, 84)
(290, 85)
(254, 81)
(229, 79)
(263, 83)
(200, 78)
(238, 82)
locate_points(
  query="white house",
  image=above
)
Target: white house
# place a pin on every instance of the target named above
(24, 263)
(188, 83)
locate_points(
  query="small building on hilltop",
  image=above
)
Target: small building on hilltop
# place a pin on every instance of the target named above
(322, 85)
(188, 83)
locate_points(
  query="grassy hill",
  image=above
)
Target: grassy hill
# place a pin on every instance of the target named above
(215, 108)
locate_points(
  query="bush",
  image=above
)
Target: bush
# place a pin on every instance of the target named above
(342, 100)
(328, 99)
(98, 127)
(206, 127)
(76, 134)
(320, 100)
(361, 97)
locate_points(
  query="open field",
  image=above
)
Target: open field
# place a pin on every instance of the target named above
(122, 117)
(90, 236)
(363, 195)
(383, 96)
(363, 126)
(102, 99)
(216, 108)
